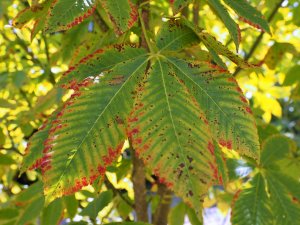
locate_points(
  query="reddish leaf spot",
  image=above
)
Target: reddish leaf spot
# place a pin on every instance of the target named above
(243, 99)
(248, 110)
(224, 143)
(211, 148)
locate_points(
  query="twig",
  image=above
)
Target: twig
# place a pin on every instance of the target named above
(259, 38)
(116, 191)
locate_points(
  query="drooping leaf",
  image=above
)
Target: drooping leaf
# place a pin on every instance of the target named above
(94, 117)
(64, 14)
(216, 48)
(252, 206)
(97, 205)
(249, 14)
(211, 43)
(123, 13)
(232, 27)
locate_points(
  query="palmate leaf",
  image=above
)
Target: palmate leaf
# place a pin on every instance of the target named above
(174, 111)
(252, 206)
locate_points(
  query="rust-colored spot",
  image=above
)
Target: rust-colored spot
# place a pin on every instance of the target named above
(248, 110)
(211, 148)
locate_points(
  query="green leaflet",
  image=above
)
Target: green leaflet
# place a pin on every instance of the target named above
(36, 13)
(178, 5)
(286, 212)
(232, 27)
(53, 213)
(97, 205)
(65, 14)
(122, 13)
(212, 44)
(35, 147)
(175, 36)
(58, 15)
(252, 206)
(174, 145)
(100, 60)
(274, 148)
(249, 14)
(94, 117)
(222, 101)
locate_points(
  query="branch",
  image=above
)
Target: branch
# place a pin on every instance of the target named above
(259, 38)
(139, 188)
(162, 211)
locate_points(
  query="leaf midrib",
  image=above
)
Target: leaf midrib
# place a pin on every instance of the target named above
(173, 125)
(93, 125)
(225, 114)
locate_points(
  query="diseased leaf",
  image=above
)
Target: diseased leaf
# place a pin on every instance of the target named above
(174, 145)
(232, 27)
(64, 14)
(174, 36)
(92, 117)
(212, 44)
(252, 206)
(36, 12)
(222, 172)
(123, 13)
(223, 103)
(35, 146)
(249, 14)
